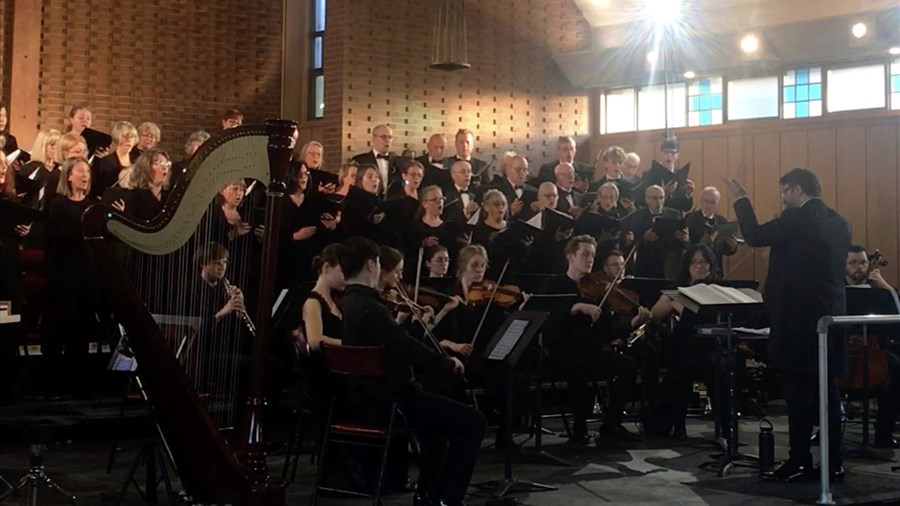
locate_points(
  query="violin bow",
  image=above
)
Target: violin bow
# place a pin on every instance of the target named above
(418, 272)
(487, 306)
(619, 277)
(415, 309)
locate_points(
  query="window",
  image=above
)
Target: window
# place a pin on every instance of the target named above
(653, 109)
(895, 84)
(705, 102)
(856, 88)
(617, 111)
(316, 71)
(753, 98)
(802, 93)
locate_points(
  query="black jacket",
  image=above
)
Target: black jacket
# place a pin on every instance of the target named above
(367, 322)
(529, 193)
(805, 281)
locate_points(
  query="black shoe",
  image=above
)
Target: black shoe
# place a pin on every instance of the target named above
(886, 441)
(789, 472)
(837, 474)
(422, 499)
(679, 433)
(579, 440)
(617, 431)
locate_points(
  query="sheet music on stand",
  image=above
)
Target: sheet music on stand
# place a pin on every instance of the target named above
(508, 340)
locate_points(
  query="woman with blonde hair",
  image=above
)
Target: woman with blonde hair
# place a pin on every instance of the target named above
(113, 170)
(148, 184)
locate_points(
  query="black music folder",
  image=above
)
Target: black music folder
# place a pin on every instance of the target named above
(594, 223)
(95, 140)
(319, 177)
(15, 213)
(679, 175)
(554, 220)
(397, 212)
(666, 227)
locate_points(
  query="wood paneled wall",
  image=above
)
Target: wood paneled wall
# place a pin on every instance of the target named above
(856, 156)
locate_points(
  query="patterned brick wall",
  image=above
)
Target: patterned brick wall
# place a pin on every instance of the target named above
(179, 63)
(513, 97)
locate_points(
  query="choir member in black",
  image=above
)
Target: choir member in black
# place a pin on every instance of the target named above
(860, 274)
(193, 143)
(805, 282)
(10, 144)
(443, 426)
(575, 349)
(80, 117)
(11, 235)
(519, 194)
(565, 153)
(232, 118)
(546, 251)
(462, 202)
(493, 219)
(657, 257)
(661, 174)
(114, 169)
(609, 169)
(431, 230)
(149, 136)
(312, 156)
(227, 226)
(465, 146)
(631, 167)
(604, 204)
(72, 283)
(380, 157)
(43, 163)
(569, 200)
(359, 215)
(433, 161)
(702, 224)
(304, 230)
(149, 185)
(411, 175)
(347, 178)
(688, 357)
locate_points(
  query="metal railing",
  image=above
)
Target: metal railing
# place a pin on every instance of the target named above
(825, 323)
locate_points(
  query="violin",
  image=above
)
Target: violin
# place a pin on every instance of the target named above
(600, 289)
(394, 302)
(503, 295)
(876, 260)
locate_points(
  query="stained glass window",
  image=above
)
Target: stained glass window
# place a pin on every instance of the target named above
(895, 85)
(802, 93)
(705, 102)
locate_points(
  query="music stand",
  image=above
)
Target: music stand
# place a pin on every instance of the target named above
(863, 301)
(507, 346)
(722, 310)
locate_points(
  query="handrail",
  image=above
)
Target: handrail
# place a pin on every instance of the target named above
(822, 326)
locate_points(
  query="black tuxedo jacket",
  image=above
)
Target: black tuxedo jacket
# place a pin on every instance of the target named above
(453, 207)
(529, 193)
(477, 168)
(805, 280)
(434, 175)
(563, 205)
(368, 158)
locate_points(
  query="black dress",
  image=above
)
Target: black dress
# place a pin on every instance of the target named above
(105, 173)
(317, 383)
(447, 234)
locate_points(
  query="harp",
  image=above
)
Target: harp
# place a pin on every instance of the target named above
(212, 469)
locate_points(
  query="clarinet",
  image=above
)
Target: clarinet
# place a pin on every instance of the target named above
(243, 312)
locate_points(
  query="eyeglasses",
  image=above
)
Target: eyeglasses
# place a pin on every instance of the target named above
(129, 136)
(857, 263)
(162, 163)
(700, 263)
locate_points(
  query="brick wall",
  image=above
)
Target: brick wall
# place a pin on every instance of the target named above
(6, 18)
(513, 97)
(179, 63)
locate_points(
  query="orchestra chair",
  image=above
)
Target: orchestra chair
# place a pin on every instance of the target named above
(38, 431)
(359, 366)
(304, 411)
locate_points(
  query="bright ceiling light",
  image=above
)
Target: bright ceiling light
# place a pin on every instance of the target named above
(689, 74)
(894, 50)
(750, 43)
(662, 12)
(859, 30)
(653, 57)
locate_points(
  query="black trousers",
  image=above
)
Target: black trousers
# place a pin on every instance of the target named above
(450, 435)
(801, 392)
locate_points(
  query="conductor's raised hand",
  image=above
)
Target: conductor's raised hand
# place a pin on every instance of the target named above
(737, 190)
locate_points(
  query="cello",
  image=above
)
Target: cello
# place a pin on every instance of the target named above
(212, 471)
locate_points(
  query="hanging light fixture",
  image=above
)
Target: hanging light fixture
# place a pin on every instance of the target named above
(450, 49)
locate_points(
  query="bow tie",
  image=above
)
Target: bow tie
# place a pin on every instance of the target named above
(382, 157)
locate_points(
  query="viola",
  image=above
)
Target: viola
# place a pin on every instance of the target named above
(503, 295)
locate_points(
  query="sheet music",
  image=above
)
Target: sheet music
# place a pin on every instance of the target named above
(509, 340)
(10, 158)
(537, 221)
(705, 294)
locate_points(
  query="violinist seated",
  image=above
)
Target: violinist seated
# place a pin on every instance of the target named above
(578, 351)
(624, 319)
(863, 272)
(450, 432)
(688, 358)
